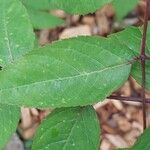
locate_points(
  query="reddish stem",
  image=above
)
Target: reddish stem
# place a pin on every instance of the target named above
(128, 99)
(142, 56)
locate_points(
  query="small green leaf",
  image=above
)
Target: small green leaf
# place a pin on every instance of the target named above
(9, 118)
(69, 129)
(122, 7)
(42, 20)
(73, 72)
(143, 142)
(16, 36)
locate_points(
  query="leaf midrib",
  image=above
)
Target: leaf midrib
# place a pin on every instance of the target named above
(6, 31)
(69, 135)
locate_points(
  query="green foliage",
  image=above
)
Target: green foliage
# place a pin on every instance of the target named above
(78, 6)
(9, 118)
(68, 73)
(69, 6)
(12, 45)
(12, 25)
(37, 4)
(39, 15)
(74, 72)
(67, 129)
(43, 20)
(89, 6)
(122, 7)
(134, 43)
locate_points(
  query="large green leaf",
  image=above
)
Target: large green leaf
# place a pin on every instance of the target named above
(16, 36)
(69, 129)
(42, 20)
(73, 72)
(9, 118)
(122, 7)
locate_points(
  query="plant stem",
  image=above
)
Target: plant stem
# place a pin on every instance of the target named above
(128, 99)
(142, 56)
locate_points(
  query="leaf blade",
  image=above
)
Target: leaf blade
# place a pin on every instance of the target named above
(69, 128)
(8, 124)
(134, 43)
(78, 7)
(122, 7)
(44, 20)
(81, 7)
(66, 74)
(11, 45)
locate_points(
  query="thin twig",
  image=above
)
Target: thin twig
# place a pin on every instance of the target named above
(128, 99)
(143, 45)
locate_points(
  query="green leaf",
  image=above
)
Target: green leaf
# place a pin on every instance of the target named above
(122, 7)
(42, 20)
(134, 42)
(16, 39)
(16, 36)
(78, 6)
(69, 129)
(9, 118)
(81, 7)
(73, 72)
(137, 74)
(148, 37)
(37, 4)
(70, 6)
